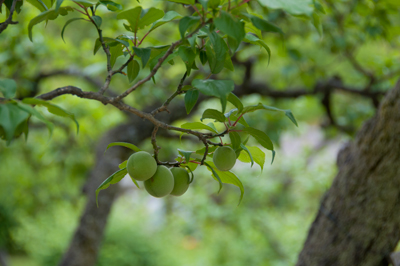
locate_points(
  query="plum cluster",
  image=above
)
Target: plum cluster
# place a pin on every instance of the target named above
(159, 180)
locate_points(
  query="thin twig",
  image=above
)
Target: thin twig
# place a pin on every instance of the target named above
(119, 70)
(154, 143)
(9, 21)
(156, 67)
(205, 153)
(167, 102)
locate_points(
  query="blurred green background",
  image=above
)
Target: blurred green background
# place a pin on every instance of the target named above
(41, 179)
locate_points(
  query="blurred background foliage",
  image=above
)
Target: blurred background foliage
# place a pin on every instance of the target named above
(41, 179)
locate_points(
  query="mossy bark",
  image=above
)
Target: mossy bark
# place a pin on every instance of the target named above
(358, 222)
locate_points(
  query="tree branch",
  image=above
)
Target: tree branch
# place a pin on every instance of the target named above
(9, 21)
(121, 106)
(157, 66)
(167, 102)
(154, 143)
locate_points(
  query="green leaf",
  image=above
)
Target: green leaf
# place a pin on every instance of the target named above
(316, 21)
(143, 53)
(191, 97)
(58, 4)
(233, 99)
(261, 137)
(46, 7)
(212, 126)
(231, 26)
(213, 114)
(123, 164)
(133, 70)
(148, 16)
(188, 56)
(204, 3)
(214, 173)
(47, 15)
(97, 46)
(112, 6)
(290, 115)
(29, 109)
(227, 177)
(203, 57)
(235, 140)
(119, 175)
(242, 121)
(38, 4)
(123, 144)
(319, 7)
(257, 155)
(186, 154)
(135, 182)
(132, 16)
(198, 125)
(273, 156)
(139, 18)
(261, 106)
(121, 41)
(186, 2)
(112, 179)
(216, 50)
(84, 3)
(8, 87)
(228, 62)
(97, 20)
(169, 16)
(294, 7)
(262, 24)
(214, 3)
(233, 116)
(52, 108)
(191, 173)
(250, 38)
(217, 88)
(115, 51)
(10, 118)
(72, 20)
(186, 23)
(156, 53)
(248, 152)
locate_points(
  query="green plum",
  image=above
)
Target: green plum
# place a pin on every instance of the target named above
(224, 158)
(161, 183)
(141, 166)
(181, 181)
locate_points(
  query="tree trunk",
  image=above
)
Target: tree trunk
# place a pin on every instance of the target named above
(358, 222)
(85, 244)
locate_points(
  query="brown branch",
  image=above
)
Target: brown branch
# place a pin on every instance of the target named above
(154, 143)
(9, 21)
(119, 70)
(205, 153)
(157, 66)
(167, 102)
(108, 55)
(121, 106)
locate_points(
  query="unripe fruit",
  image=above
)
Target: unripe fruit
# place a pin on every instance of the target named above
(161, 183)
(224, 158)
(181, 181)
(141, 166)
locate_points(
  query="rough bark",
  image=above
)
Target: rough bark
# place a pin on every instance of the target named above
(358, 222)
(85, 244)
